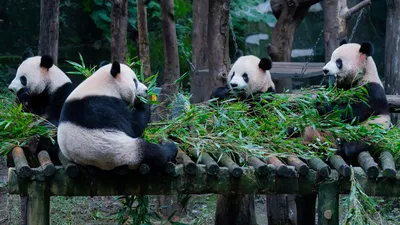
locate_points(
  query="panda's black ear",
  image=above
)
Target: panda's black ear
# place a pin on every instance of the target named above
(238, 54)
(344, 41)
(115, 69)
(367, 48)
(265, 64)
(46, 61)
(27, 54)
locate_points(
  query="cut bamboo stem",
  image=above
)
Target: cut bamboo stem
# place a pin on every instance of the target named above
(260, 167)
(318, 165)
(281, 169)
(46, 164)
(71, 169)
(368, 164)
(170, 168)
(212, 167)
(387, 163)
(21, 164)
(300, 166)
(340, 165)
(189, 165)
(234, 169)
(144, 169)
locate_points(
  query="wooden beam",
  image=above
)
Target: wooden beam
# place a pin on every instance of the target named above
(202, 183)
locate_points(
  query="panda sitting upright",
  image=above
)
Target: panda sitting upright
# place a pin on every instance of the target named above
(97, 127)
(42, 88)
(248, 76)
(353, 66)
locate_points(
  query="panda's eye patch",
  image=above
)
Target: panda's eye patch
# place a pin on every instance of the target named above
(245, 77)
(135, 83)
(23, 80)
(233, 74)
(339, 63)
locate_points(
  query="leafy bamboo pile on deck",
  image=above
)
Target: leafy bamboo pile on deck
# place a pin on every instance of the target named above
(232, 126)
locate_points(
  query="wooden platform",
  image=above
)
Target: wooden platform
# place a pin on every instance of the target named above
(295, 69)
(290, 70)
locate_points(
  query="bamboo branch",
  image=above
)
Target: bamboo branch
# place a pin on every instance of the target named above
(347, 13)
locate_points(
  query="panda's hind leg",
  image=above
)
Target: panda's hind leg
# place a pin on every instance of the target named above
(156, 156)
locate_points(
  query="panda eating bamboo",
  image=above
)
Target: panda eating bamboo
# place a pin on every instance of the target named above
(97, 127)
(353, 66)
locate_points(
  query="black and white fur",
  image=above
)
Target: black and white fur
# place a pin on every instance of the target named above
(345, 63)
(97, 127)
(249, 75)
(42, 88)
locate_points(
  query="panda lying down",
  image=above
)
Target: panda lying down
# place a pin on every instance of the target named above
(98, 129)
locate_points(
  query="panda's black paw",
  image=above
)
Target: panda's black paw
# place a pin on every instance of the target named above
(350, 150)
(23, 98)
(171, 150)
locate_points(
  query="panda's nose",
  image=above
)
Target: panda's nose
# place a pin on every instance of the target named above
(10, 89)
(325, 71)
(234, 85)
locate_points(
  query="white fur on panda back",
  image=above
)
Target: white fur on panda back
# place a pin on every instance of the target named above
(259, 80)
(102, 83)
(105, 148)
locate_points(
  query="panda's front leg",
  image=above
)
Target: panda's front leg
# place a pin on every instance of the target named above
(141, 117)
(350, 150)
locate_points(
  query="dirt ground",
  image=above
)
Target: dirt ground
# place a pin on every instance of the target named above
(104, 210)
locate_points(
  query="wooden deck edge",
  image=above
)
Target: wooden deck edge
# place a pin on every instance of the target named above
(200, 183)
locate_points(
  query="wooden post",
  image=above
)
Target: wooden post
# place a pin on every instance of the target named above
(336, 15)
(38, 205)
(119, 28)
(49, 31)
(171, 62)
(328, 202)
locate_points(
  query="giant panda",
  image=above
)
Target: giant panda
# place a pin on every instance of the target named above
(248, 76)
(99, 129)
(42, 88)
(352, 65)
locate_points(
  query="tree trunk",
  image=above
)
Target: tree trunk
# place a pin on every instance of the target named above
(168, 89)
(289, 14)
(199, 51)
(392, 51)
(49, 28)
(336, 15)
(119, 28)
(218, 45)
(282, 209)
(144, 52)
(171, 66)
